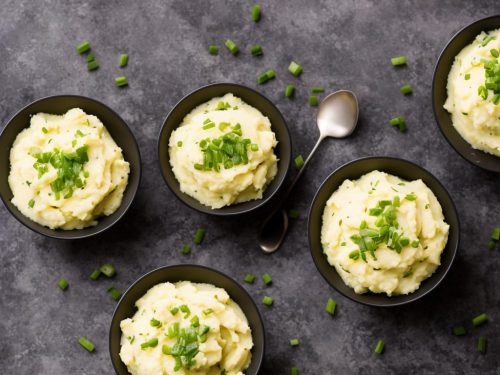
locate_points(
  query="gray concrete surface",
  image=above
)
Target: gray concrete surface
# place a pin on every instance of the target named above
(342, 44)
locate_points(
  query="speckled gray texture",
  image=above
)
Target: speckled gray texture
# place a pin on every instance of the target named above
(342, 44)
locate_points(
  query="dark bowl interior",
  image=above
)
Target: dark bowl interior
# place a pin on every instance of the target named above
(59, 105)
(283, 150)
(461, 39)
(407, 171)
(198, 274)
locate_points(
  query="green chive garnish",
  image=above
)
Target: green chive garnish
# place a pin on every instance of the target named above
(294, 371)
(491, 245)
(487, 39)
(295, 69)
(121, 81)
(459, 331)
(174, 310)
(406, 89)
(267, 279)
(268, 301)
(313, 100)
(264, 77)
(398, 122)
(479, 320)
(92, 65)
(179, 144)
(83, 47)
(249, 278)
(293, 213)
(256, 50)
(95, 274)
(254, 147)
(62, 283)
(108, 269)
(330, 306)
(31, 203)
(411, 197)
(494, 52)
(44, 130)
(150, 343)
(86, 343)
(256, 13)
(213, 49)
(398, 60)
(232, 47)
(294, 342)
(90, 57)
(123, 61)
(199, 235)
(495, 234)
(185, 249)
(154, 322)
(115, 293)
(482, 344)
(289, 91)
(467, 76)
(317, 90)
(299, 161)
(379, 348)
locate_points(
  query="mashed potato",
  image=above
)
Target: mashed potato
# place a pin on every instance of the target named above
(475, 111)
(232, 177)
(199, 321)
(66, 171)
(383, 234)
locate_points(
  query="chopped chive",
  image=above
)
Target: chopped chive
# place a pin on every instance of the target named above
(83, 47)
(479, 320)
(406, 89)
(459, 331)
(198, 166)
(86, 174)
(249, 278)
(44, 130)
(267, 279)
(95, 274)
(90, 57)
(150, 343)
(123, 61)
(294, 371)
(415, 243)
(62, 283)
(494, 52)
(482, 92)
(31, 203)
(268, 301)
(294, 342)
(289, 91)
(264, 77)
(379, 348)
(256, 13)
(398, 122)
(293, 213)
(254, 147)
(482, 344)
(154, 322)
(115, 293)
(231, 46)
(295, 69)
(185, 310)
(313, 100)
(491, 245)
(411, 197)
(174, 310)
(179, 144)
(496, 99)
(86, 343)
(299, 161)
(92, 65)
(487, 39)
(495, 234)
(108, 269)
(167, 350)
(467, 76)
(121, 81)
(185, 249)
(209, 126)
(330, 306)
(213, 49)
(271, 74)
(398, 60)
(317, 90)
(199, 235)
(256, 50)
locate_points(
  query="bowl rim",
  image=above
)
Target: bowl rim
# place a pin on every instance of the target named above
(220, 211)
(433, 90)
(260, 321)
(394, 302)
(75, 232)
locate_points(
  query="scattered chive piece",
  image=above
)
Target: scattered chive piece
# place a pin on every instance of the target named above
(256, 50)
(213, 49)
(495, 235)
(264, 77)
(406, 89)
(150, 343)
(62, 283)
(123, 60)
(174, 310)
(482, 343)
(231, 46)
(249, 278)
(415, 243)
(479, 320)
(199, 235)
(293, 213)
(154, 322)
(379, 348)
(95, 274)
(491, 245)
(268, 301)
(256, 13)
(313, 100)
(121, 81)
(494, 52)
(289, 91)
(330, 306)
(92, 65)
(299, 161)
(83, 47)
(31, 203)
(459, 331)
(267, 279)
(90, 57)
(86, 343)
(467, 76)
(179, 144)
(398, 60)
(166, 349)
(411, 197)
(254, 147)
(108, 269)
(115, 293)
(185, 249)
(398, 122)
(317, 90)
(295, 69)
(294, 371)
(294, 342)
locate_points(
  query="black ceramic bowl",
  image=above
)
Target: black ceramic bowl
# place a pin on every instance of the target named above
(283, 150)
(59, 105)
(461, 39)
(407, 171)
(197, 274)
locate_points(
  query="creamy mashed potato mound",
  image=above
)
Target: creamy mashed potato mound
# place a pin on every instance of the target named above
(222, 337)
(365, 203)
(97, 181)
(238, 183)
(475, 118)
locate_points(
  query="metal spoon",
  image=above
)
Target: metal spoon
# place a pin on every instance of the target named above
(337, 117)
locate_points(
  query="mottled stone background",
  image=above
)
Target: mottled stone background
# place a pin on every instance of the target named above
(342, 44)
